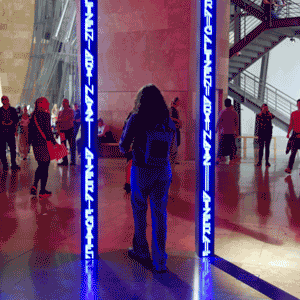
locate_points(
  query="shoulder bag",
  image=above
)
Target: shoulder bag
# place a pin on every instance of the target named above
(55, 152)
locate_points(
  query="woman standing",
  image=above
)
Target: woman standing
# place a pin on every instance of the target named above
(39, 133)
(264, 133)
(23, 137)
(152, 134)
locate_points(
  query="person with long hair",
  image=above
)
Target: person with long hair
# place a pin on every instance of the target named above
(152, 135)
(264, 133)
(23, 136)
(40, 123)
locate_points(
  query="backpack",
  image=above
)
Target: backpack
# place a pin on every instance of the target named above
(158, 146)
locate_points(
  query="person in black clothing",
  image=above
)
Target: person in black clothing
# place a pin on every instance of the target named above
(128, 156)
(264, 133)
(268, 7)
(41, 119)
(8, 127)
(77, 120)
(175, 118)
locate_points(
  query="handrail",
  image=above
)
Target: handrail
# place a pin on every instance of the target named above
(255, 137)
(248, 22)
(276, 100)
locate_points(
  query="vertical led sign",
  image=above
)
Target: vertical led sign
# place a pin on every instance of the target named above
(206, 139)
(89, 160)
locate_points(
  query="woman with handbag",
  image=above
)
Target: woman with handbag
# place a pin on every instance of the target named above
(42, 139)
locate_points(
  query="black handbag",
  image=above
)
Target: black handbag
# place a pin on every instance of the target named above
(291, 142)
(288, 146)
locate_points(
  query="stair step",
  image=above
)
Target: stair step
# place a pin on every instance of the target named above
(262, 42)
(255, 48)
(249, 53)
(241, 58)
(236, 64)
(233, 70)
(270, 37)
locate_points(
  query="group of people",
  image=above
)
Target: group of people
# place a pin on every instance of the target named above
(227, 125)
(36, 130)
(228, 128)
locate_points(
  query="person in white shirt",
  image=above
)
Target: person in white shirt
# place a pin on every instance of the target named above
(23, 137)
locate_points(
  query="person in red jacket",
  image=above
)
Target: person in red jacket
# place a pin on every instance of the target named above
(295, 126)
(40, 123)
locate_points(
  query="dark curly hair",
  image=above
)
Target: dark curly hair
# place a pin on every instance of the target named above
(150, 106)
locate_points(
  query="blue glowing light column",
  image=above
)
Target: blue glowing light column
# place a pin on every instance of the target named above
(205, 156)
(89, 165)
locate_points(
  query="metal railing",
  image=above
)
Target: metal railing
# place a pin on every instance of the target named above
(276, 100)
(255, 137)
(249, 22)
(290, 10)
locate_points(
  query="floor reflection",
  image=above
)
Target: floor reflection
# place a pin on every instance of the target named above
(40, 239)
(257, 220)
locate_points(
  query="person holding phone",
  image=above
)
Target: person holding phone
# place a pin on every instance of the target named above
(264, 133)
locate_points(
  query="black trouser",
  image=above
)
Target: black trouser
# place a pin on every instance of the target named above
(262, 142)
(227, 146)
(69, 135)
(41, 173)
(76, 129)
(294, 149)
(10, 139)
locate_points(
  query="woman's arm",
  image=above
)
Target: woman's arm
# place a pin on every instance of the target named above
(257, 125)
(128, 135)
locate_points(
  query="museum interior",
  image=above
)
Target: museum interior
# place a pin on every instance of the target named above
(257, 209)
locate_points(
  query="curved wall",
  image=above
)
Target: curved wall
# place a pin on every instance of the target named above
(16, 28)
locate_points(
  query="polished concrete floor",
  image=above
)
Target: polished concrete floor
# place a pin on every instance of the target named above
(257, 229)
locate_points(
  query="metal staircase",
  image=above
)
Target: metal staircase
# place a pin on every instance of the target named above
(247, 93)
(256, 37)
